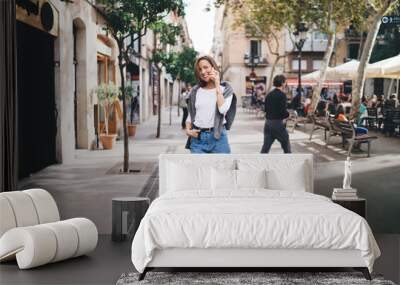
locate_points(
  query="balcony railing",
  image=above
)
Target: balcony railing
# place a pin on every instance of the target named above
(262, 62)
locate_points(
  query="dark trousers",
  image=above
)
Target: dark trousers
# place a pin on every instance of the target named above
(185, 115)
(275, 129)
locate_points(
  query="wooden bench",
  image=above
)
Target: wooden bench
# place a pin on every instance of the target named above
(348, 133)
(319, 123)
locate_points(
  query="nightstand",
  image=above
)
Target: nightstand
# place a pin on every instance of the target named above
(127, 212)
(358, 206)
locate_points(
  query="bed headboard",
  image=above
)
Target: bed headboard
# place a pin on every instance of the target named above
(235, 159)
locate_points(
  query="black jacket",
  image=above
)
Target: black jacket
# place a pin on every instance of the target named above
(275, 105)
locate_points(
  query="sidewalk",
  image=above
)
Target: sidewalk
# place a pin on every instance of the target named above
(86, 186)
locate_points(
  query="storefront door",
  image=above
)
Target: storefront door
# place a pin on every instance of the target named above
(37, 126)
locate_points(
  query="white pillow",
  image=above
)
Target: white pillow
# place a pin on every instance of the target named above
(282, 174)
(183, 177)
(223, 179)
(251, 178)
(291, 179)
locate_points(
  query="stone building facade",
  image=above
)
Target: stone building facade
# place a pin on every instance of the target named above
(233, 48)
(64, 54)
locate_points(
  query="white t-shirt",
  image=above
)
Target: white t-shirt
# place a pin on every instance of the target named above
(206, 102)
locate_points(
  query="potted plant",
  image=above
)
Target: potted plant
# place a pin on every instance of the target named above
(131, 100)
(107, 94)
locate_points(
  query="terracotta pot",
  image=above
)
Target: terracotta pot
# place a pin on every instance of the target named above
(107, 140)
(131, 130)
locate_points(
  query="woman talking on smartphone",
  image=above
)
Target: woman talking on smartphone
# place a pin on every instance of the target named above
(212, 108)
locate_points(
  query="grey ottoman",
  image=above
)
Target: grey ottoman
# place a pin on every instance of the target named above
(127, 212)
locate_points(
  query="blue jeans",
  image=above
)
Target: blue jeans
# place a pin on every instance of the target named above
(361, 131)
(206, 143)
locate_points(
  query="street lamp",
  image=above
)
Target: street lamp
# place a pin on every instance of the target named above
(300, 37)
(253, 60)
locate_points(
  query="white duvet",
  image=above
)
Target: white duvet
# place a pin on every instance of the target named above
(250, 219)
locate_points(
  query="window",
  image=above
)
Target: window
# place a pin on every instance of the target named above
(255, 48)
(317, 64)
(111, 71)
(353, 51)
(318, 36)
(295, 64)
(100, 72)
(105, 69)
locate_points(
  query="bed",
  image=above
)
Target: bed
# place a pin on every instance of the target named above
(247, 211)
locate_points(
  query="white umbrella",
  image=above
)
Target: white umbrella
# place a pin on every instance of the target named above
(312, 76)
(387, 68)
(344, 71)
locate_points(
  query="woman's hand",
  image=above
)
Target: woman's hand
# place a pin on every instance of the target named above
(192, 133)
(214, 76)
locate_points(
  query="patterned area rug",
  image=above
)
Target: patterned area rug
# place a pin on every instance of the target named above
(242, 278)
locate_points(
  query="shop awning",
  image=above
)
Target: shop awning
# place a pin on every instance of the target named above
(293, 82)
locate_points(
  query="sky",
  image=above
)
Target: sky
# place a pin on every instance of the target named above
(200, 24)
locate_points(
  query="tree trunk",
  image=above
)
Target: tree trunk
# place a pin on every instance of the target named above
(159, 105)
(271, 74)
(125, 128)
(179, 97)
(316, 96)
(170, 106)
(358, 86)
(105, 108)
(360, 48)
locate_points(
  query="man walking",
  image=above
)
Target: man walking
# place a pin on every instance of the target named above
(276, 112)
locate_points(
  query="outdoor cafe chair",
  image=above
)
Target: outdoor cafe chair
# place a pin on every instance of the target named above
(372, 118)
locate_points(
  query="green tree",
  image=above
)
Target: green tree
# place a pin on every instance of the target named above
(186, 59)
(268, 18)
(165, 35)
(260, 21)
(131, 19)
(180, 65)
(376, 9)
(171, 65)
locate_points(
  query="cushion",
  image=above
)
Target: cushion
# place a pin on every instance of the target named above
(182, 177)
(46, 207)
(294, 179)
(223, 179)
(283, 174)
(23, 208)
(7, 218)
(251, 178)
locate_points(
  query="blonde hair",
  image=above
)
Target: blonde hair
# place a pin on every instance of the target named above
(197, 71)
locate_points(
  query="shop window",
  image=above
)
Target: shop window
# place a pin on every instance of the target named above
(105, 69)
(100, 72)
(111, 71)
